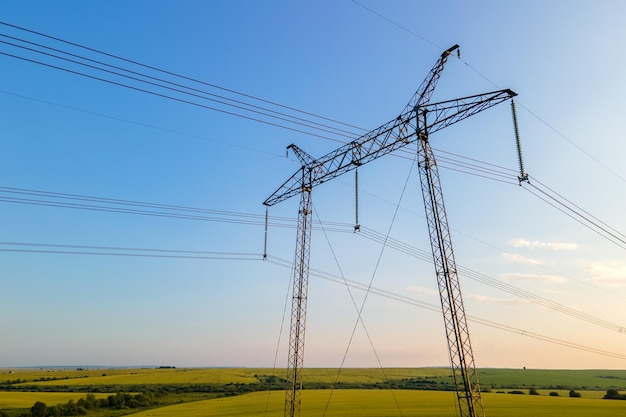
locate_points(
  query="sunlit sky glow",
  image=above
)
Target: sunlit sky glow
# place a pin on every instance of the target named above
(354, 62)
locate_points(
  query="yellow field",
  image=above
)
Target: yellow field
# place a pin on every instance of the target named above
(384, 403)
(490, 378)
(27, 399)
(207, 375)
(134, 376)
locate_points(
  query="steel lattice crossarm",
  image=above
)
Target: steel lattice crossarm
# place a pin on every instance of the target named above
(391, 136)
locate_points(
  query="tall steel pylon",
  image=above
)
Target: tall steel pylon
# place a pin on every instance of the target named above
(455, 321)
(295, 359)
(415, 124)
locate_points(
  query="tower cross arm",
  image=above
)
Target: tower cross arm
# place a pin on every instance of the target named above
(385, 139)
(445, 113)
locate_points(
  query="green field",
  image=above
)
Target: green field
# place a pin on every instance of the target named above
(256, 391)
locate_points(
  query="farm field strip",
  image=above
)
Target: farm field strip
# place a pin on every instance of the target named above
(27, 399)
(382, 403)
(490, 378)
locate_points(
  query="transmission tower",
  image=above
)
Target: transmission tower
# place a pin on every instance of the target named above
(415, 124)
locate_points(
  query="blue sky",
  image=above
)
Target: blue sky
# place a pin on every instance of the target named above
(358, 63)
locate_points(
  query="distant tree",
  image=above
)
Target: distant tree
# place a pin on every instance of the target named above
(39, 409)
(533, 391)
(574, 394)
(554, 394)
(614, 394)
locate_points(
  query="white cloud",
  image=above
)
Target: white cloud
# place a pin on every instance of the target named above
(554, 279)
(536, 244)
(608, 274)
(513, 257)
(488, 299)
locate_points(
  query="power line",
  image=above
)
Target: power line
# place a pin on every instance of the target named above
(541, 120)
(56, 199)
(365, 232)
(492, 282)
(243, 256)
(192, 91)
(427, 306)
(461, 167)
(176, 132)
(590, 222)
(185, 90)
(163, 71)
(49, 248)
(180, 100)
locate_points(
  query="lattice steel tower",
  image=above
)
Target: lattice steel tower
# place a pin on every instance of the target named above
(415, 124)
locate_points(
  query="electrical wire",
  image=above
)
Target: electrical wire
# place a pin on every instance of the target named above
(492, 282)
(192, 91)
(359, 311)
(159, 70)
(65, 200)
(541, 120)
(24, 247)
(176, 87)
(178, 99)
(392, 243)
(488, 174)
(171, 87)
(56, 199)
(573, 211)
(119, 119)
(427, 306)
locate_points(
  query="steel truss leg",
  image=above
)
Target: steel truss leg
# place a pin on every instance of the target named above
(298, 305)
(459, 346)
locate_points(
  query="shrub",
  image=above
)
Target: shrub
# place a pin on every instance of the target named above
(574, 394)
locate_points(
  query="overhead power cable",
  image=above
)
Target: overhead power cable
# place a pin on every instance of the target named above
(84, 202)
(177, 91)
(427, 306)
(492, 282)
(169, 85)
(195, 80)
(56, 199)
(365, 232)
(189, 92)
(125, 251)
(573, 211)
(178, 99)
(481, 170)
(453, 163)
(439, 48)
(242, 256)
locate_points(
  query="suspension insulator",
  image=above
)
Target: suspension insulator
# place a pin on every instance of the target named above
(523, 175)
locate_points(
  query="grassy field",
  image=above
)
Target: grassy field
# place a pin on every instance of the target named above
(384, 403)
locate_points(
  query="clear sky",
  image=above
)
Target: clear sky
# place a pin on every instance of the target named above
(543, 289)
